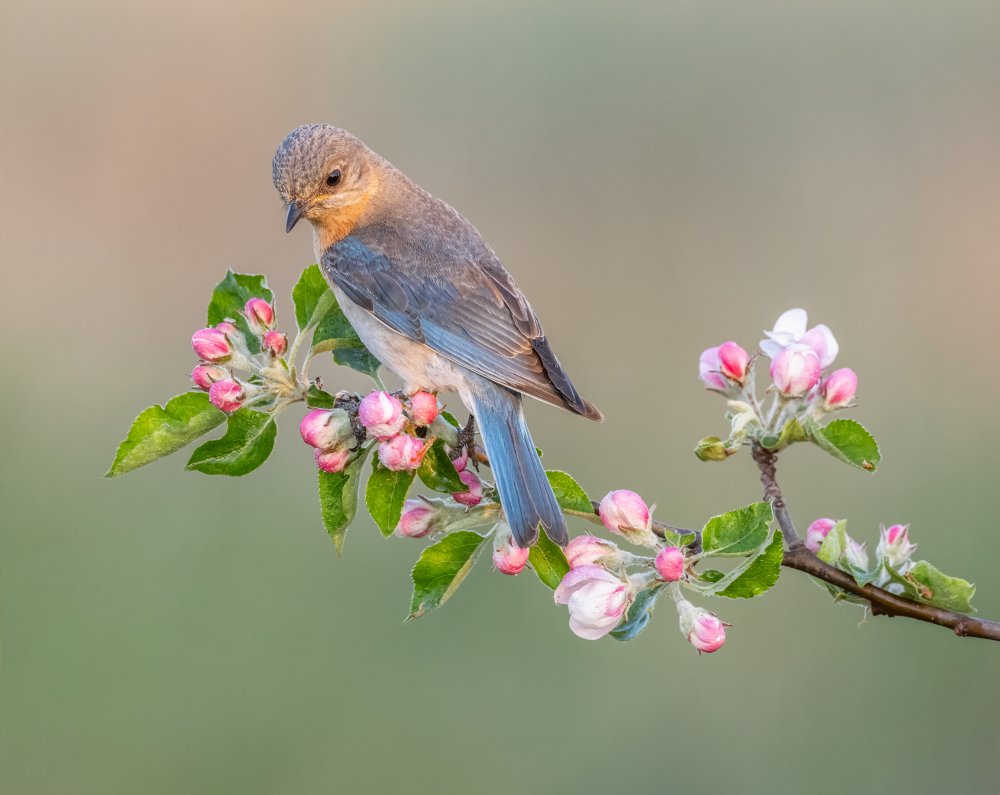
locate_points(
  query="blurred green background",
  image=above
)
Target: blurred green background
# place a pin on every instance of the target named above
(658, 177)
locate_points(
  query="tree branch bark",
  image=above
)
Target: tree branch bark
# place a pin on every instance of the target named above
(882, 602)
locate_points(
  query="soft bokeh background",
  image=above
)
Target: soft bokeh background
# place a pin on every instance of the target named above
(658, 178)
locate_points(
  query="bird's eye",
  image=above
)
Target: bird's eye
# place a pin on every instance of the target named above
(334, 177)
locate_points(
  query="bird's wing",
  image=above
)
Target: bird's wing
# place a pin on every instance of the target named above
(469, 311)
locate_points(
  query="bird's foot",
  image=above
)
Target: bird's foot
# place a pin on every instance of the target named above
(467, 441)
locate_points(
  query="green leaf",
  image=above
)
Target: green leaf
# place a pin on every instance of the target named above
(760, 575)
(569, 494)
(338, 499)
(711, 575)
(316, 398)
(441, 569)
(450, 418)
(247, 443)
(229, 297)
(638, 614)
(791, 433)
(161, 430)
(548, 560)
(849, 441)
(385, 495)
(937, 588)
(307, 294)
(835, 544)
(738, 532)
(333, 331)
(438, 472)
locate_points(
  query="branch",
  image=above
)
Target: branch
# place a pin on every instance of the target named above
(882, 602)
(797, 556)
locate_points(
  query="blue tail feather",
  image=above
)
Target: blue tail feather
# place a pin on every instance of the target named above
(525, 493)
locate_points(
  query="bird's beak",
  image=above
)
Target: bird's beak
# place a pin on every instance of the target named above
(295, 210)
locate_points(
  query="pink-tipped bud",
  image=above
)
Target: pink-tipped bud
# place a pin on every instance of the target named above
(474, 495)
(382, 414)
(423, 408)
(204, 375)
(227, 395)
(733, 361)
(259, 313)
(625, 513)
(462, 461)
(816, 532)
(703, 630)
(710, 370)
(417, 520)
(401, 452)
(795, 370)
(332, 460)
(670, 564)
(894, 546)
(588, 550)
(509, 559)
(324, 429)
(211, 345)
(708, 633)
(597, 600)
(839, 388)
(275, 342)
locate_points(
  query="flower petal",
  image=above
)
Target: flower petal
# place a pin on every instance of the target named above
(793, 322)
(821, 340)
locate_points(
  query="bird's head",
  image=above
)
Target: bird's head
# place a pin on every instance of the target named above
(326, 175)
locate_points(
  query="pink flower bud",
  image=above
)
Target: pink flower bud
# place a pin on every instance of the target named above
(597, 600)
(625, 513)
(204, 375)
(707, 634)
(702, 629)
(259, 313)
(588, 550)
(795, 370)
(231, 331)
(709, 370)
(332, 460)
(423, 408)
(382, 414)
(462, 461)
(509, 559)
(325, 428)
(733, 361)
(818, 531)
(211, 345)
(839, 388)
(417, 520)
(275, 342)
(227, 395)
(670, 564)
(474, 495)
(401, 452)
(894, 546)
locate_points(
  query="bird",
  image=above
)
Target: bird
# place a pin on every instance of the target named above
(430, 299)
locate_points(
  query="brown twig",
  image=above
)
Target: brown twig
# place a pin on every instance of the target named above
(882, 602)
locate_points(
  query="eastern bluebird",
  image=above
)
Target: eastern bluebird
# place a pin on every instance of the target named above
(432, 302)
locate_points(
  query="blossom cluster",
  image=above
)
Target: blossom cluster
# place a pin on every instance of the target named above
(223, 350)
(604, 580)
(802, 383)
(893, 555)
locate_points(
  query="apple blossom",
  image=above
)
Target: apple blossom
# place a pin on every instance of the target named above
(211, 345)
(790, 329)
(839, 388)
(597, 600)
(423, 408)
(818, 530)
(587, 550)
(474, 495)
(204, 375)
(401, 452)
(625, 513)
(325, 428)
(894, 546)
(795, 370)
(332, 460)
(259, 313)
(227, 395)
(670, 564)
(382, 414)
